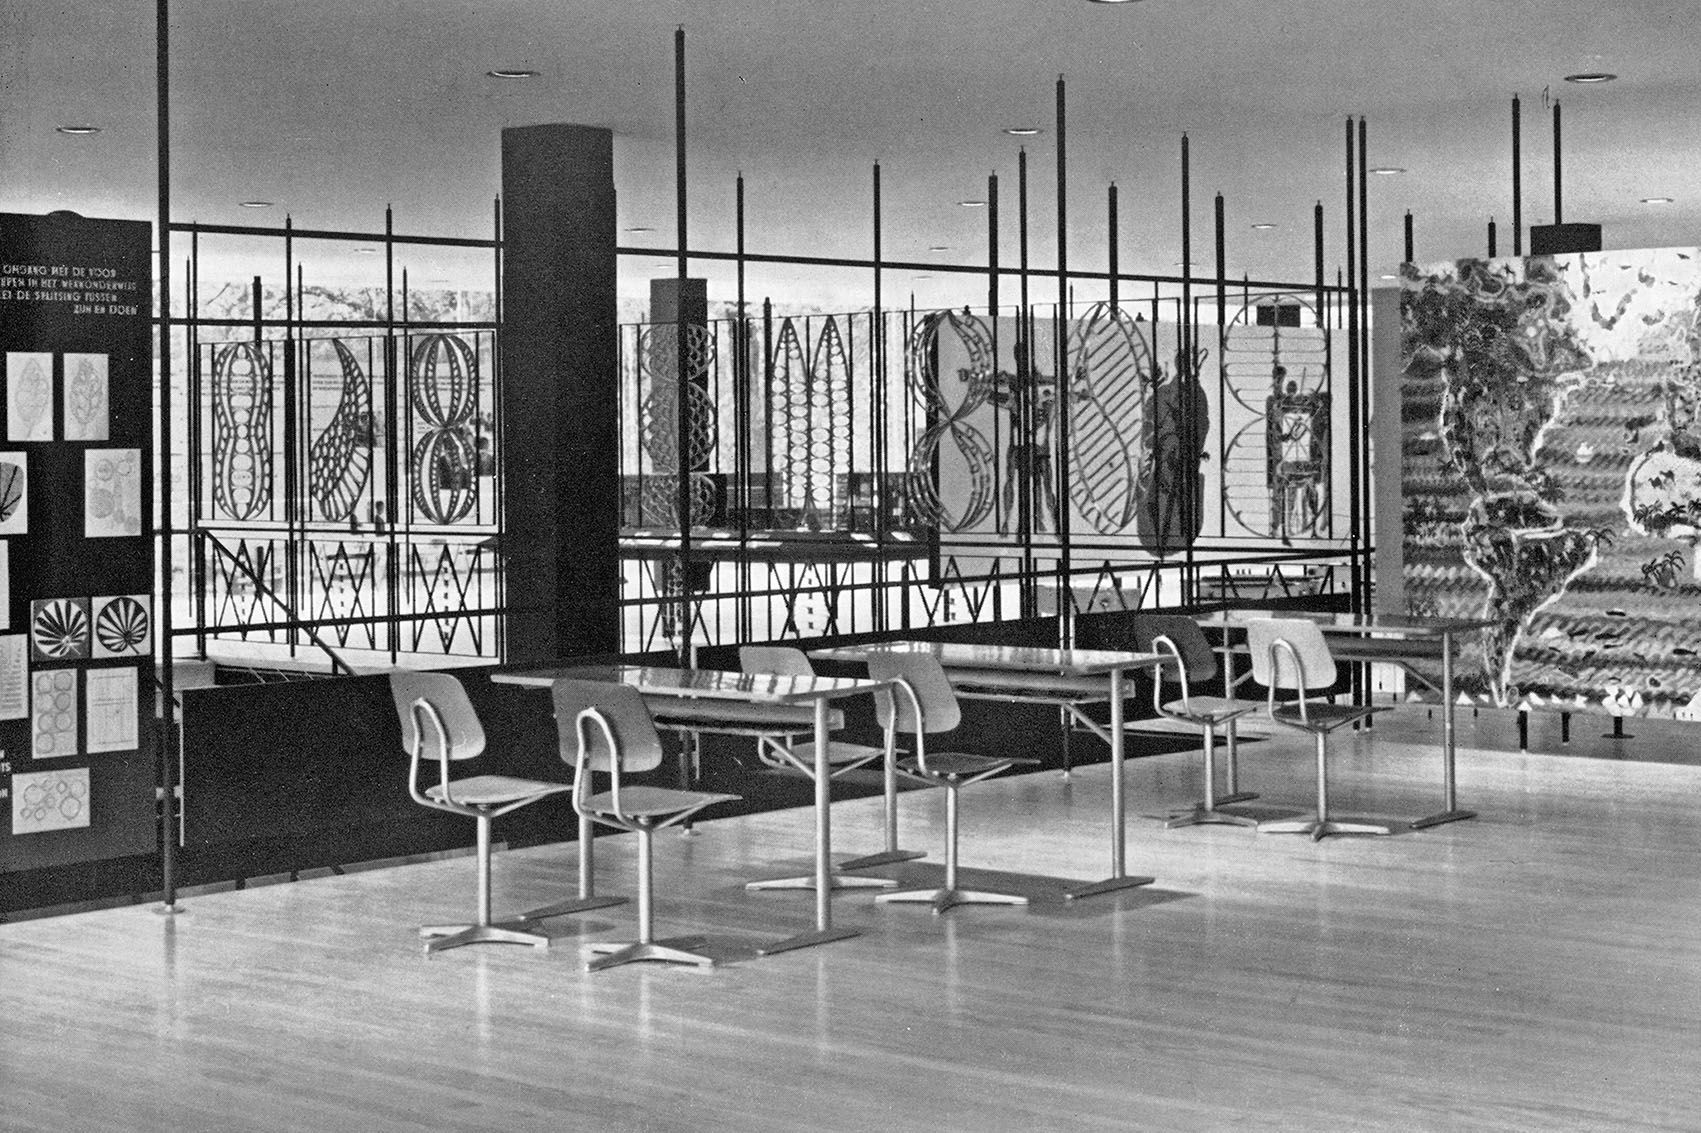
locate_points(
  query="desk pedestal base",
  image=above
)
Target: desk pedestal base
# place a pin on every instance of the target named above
(807, 940)
(1204, 816)
(570, 905)
(834, 881)
(1108, 885)
(884, 857)
(942, 899)
(1443, 817)
(441, 937)
(675, 951)
(1321, 828)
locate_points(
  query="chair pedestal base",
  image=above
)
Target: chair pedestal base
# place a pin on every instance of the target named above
(570, 905)
(441, 937)
(884, 857)
(807, 940)
(834, 881)
(675, 951)
(1444, 817)
(1321, 828)
(942, 899)
(1202, 816)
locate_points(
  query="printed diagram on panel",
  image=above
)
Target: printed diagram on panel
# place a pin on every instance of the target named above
(53, 713)
(111, 698)
(50, 800)
(14, 493)
(14, 676)
(86, 413)
(112, 492)
(123, 626)
(59, 628)
(29, 396)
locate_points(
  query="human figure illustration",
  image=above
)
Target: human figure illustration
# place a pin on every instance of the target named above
(1028, 453)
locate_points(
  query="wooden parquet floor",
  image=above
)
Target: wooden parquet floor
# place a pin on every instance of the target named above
(1537, 968)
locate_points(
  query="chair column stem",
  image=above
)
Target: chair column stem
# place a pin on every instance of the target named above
(483, 869)
(950, 836)
(1322, 778)
(645, 888)
(1233, 759)
(587, 857)
(1210, 745)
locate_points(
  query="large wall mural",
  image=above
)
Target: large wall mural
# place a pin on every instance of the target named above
(1551, 472)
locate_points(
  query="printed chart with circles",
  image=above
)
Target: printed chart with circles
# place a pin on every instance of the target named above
(50, 800)
(53, 713)
(59, 628)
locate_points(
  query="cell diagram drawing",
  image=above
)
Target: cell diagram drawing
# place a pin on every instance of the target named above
(59, 628)
(29, 396)
(242, 430)
(110, 696)
(87, 415)
(53, 713)
(50, 800)
(340, 461)
(123, 626)
(14, 493)
(112, 493)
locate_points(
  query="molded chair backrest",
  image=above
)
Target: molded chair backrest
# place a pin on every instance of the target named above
(639, 747)
(783, 660)
(445, 694)
(1195, 651)
(1307, 641)
(924, 674)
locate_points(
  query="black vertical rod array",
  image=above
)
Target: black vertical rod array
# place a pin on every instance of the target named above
(682, 435)
(1491, 252)
(1366, 536)
(1517, 179)
(1353, 533)
(877, 433)
(741, 413)
(1183, 360)
(1221, 217)
(168, 695)
(1411, 255)
(1558, 196)
(1110, 236)
(496, 441)
(293, 544)
(1025, 384)
(1065, 602)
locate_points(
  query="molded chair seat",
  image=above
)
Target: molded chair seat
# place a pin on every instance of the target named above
(434, 712)
(1290, 654)
(925, 704)
(606, 729)
(1190, 661)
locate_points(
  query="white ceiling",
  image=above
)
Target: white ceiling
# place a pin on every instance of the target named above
(333, 109)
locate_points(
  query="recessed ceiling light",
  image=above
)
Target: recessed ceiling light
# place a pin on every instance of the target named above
(1022, 131)
(921, 277)
(939, 247)
(366, 251)
(1387, 277)
(78, 131)
(639, 228)
(1387, 170)
(254, 204)
(511, 73)
(1263, 226)
(1591, 77)
(1113, 1)
(973, 204)
(1656, 200)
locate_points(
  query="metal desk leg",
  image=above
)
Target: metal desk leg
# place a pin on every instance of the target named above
(824, 932)
(1118, 879)
(891, 855)
(587, 898)
(1450, 801)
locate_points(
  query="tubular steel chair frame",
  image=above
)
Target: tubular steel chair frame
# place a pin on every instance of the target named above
(916, 767)
(1207, 716)
(483, 930)
(666, 807)
(1319, 719)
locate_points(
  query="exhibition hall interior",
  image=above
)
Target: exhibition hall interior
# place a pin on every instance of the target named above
(1107, 564)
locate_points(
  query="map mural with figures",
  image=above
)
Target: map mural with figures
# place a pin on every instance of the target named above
(1551, 456)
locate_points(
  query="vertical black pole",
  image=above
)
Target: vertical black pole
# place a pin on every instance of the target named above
(1183, 359)
(741, 413)
(1352, 367)
(1002, 517)
(682, 355)
(1065, 601)
(1517, 179)
(1190, 431)
(1366, 535)
(498, 444)
(1558, 198)
(168, 693)
(1222, 260)
(1111, 238)
(1317, 260)
(1025, 482)
(1411, 256)
(1491, 237)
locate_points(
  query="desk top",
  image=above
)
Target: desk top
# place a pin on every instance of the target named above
(1393, 625)
(710, 684)
(1020, 658)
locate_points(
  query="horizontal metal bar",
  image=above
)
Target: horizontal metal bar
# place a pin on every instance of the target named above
(328, 234)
